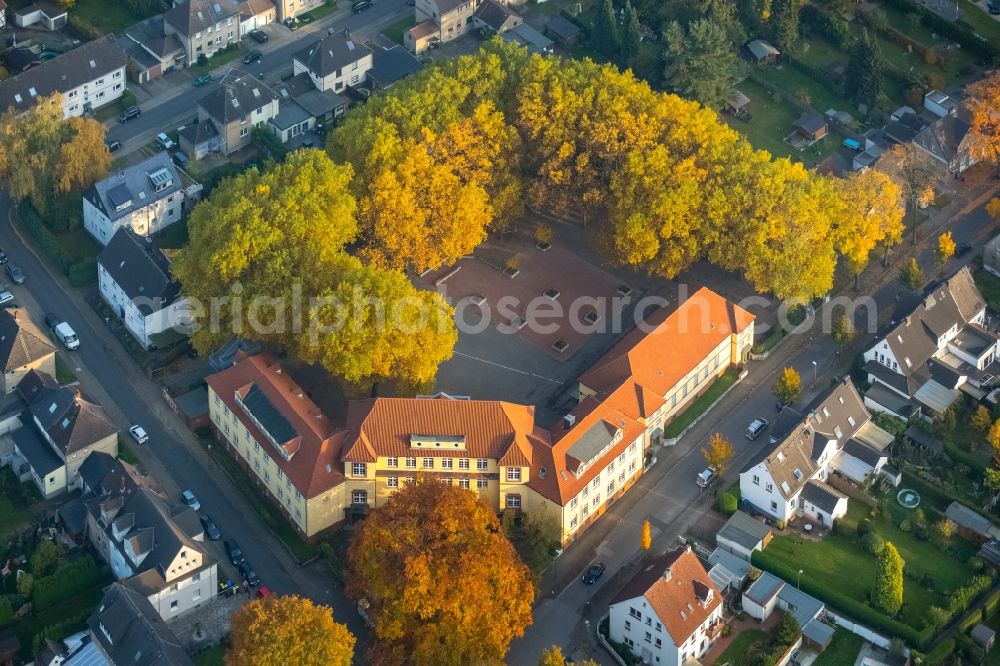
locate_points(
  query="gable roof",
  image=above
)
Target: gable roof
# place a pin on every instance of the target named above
(810, 122)
(392, 65)
(21, 341)
(140, 270)
(193, 16)
(561, 28)
(130, 631)
(71, 422)
(822, 495)
(70, 70)
(761, 48)
(496, 16)
(236, 98)
(332, 53)
(744, 529)
(971, 520)
(678, 589)
(135, 187)
(945, 136)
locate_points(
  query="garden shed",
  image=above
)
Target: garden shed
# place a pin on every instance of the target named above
(983, 636)
(762, 52)
(738, 104)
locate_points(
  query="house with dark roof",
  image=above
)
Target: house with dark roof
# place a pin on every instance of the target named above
(146, 197)
(334, 62)
(203, 26)
(152, 49)
(670, 612)
(128, 630)
(524, 35)
(743, 534)
(240, 103)
(89, 76)
(936, 349)
(41, 15)
(561, 30)
(304, 106)
(492, 17)
(837, 436)
(947, 140)
(154, 548)
(135, 281)
(23, 348)
(445, 20)
(390, 66)
(769, 593)
(61, 427)
(972, 525)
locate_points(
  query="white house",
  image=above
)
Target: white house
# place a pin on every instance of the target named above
(134, 279)
(255, 14)
(669, 612)
(836, 435)
(334, 62)
(90, 76)
(146, 197)
(937, 350)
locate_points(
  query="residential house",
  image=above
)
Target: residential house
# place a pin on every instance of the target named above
(561, 30)
(127, 630)
(153, 50)
(991, 256)
(41, 15)
(146, 197)
(390, 66)
(670, 613)
(61, 427)
(422, 37)
(939, 103)
(743, 534)
(23, 348)
(3, 14)
(203, 26)
(769, 593)
(904, 125)
(492, 17)
(303, 107)
(762, 52)
(90, 76)
(134, 279)
(947, 140)
(836, 436)
(524, 35)
(334, 62)
(255, 14)
(936, 349)
(450, 18)
(234, 109)
(290, 9)
(970, 524)
(153, 548)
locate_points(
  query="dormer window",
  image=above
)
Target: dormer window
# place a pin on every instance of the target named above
(838, 432)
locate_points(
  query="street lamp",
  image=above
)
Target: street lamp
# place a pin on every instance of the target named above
(815, 366)
(798, 582)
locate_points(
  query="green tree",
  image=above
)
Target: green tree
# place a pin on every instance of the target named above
(701, 62)
(786, 23)
(6, 612)
(945, 529)
(865, 73)
(553, 656)
(991, 479)
(981, 419)
(911, 276)
(843, 330)
(25, 584)
(887, 591)
(287, 630)
(606, 37)
(632, 37)
(789, 385)
(937, 617)
(45, 559)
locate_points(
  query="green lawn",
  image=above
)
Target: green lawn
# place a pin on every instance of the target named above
(739, 647)
(843, 649)
(989, 285)
(698, 407)
(173, 237)
(794, 81)
(11, 518)
(981, 22)
(125, 453)
(841, 565)
(213, 656)
(396, 30)
(108, 16)
(219, 59)
(325, 10)
(64, 374)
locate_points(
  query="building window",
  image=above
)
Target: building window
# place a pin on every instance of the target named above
(428, 463)
(513, 473)
(572, 523)
(173, 606)
(596, 483)
(408, 480)
(482, 484)
(196, 577)
(658, 643)
(463, 483)
(594, 502)
(446, 463)
(628, 625)
(463, 463)
(634, 613)
(774, 506)
(244, 131)
(572, 503)
(359, 497)
(392, 462)
(756, 480)
(392, 482)
(513, 501)
(359, 469)
(411, 463)
(482, 464)
(611, 487)
(649, 637)
(621, 477)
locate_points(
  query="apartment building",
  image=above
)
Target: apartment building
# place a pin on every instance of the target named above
(228, 114)
(203, 26)
(125, 629)
(290, 9)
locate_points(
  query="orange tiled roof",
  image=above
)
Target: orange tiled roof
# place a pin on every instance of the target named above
(314, 468)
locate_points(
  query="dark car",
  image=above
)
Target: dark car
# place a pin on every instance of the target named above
(963, 249)
(234, 553)
(360, 6)
(259, 36)
(594, 571)
(15, 272)
(114, 146)
(210, 528)
(249, 573)
(252, 57)
(128, 114)
(52, 320)
(3, 257)
(202, 80)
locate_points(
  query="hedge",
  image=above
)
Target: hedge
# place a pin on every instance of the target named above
(855, 609)
(82, 272)
(927, 489)
(991, 604)
(969, 459)
(943, 26)
(940, 653)
(68, 580)
(46, 241)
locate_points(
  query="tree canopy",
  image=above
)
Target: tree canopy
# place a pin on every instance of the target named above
(444, 584)
(701, 62)
(983, 102)
(274, 631)
(887, 592)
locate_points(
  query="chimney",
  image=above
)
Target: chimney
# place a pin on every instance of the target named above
(76, 393)
(907, 320)
(15, 314)
(569, 421)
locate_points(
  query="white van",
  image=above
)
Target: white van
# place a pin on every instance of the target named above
(67, 336)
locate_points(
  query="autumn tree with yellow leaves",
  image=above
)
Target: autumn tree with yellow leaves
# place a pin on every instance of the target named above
(915, 173)
(983, 102)
(719, 453)
(871, 215)
(443, 583)
(945, 248)
(287, 630)
(42, 153)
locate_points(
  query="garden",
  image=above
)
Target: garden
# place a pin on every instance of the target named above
(19, 502)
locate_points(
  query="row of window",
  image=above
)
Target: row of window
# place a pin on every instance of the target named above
(481, 484)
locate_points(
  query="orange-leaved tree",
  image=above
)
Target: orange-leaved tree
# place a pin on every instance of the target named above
(719, 452)
(443, 583)
(983, 103)
(287, 630)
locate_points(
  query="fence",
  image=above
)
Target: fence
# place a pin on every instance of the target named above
(859, 629)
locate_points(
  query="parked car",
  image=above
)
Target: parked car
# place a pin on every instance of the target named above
(202, 80)
(263, 591)
(66, 335)
(210, 528)
(706, 477)
(140, 436)
(756, 427)
(249, 574)
(963, 249)
(7, 299)
(51, 320)
(114, 146)
(360, 6)
(128, 114)
(259, 36)
(233, 552)
(190, 500)
(3, 257)
(252, 57)
(164, 141)
(15, 272)
(593, 572)
(180, 159)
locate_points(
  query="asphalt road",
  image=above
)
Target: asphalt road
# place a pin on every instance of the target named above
(167, 113)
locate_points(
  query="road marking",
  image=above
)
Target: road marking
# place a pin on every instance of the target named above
(507, 367)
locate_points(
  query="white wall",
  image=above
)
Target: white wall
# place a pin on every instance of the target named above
(882, 354)
(351, 75)
(630, 630)
(763, 493)
(192, 591)
(144, 221)
(98, 92)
